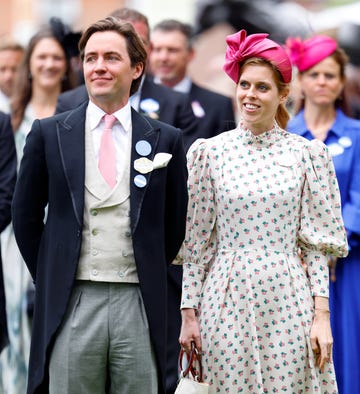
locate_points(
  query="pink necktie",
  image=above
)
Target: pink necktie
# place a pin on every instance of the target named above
(107, 156)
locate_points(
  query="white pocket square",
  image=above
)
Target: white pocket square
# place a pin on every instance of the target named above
(161, 160)
(144, 165)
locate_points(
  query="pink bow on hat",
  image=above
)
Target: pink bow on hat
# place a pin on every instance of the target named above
(305, 54)
(241, 47)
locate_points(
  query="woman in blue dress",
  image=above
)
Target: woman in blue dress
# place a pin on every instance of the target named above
(322, 115)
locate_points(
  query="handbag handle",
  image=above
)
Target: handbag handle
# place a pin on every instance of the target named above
(192, 359)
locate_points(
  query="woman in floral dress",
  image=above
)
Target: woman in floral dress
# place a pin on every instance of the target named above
(259, 198)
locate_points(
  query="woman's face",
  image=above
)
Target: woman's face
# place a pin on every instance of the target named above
(47, 63)
(258, 97)
(322, 84)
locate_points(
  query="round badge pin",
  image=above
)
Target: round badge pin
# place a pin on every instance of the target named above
(143, 148)
(335, 149)
(345, 142)
(198, 110)
(140, 181)
(149, 105)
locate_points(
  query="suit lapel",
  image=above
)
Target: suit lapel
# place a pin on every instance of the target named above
(142, 130)
(71, 139)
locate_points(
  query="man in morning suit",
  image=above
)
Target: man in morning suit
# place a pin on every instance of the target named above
(162, 103)
(99, 262)
(8, 164)
(171, 53)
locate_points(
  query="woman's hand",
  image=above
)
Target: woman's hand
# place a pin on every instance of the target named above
(190, 330)
(321, 338)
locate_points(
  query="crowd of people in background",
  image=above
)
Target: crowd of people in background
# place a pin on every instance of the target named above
(266, 256)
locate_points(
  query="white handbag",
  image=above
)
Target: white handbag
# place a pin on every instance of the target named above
(191, 377)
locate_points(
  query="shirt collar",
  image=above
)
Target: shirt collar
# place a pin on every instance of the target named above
(183, 86)
(137, 93)
(95, 115)
(337, 127)
(339, 124)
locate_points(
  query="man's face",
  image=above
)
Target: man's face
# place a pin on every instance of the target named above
(9, 63)
(107, 70)
(169, 56)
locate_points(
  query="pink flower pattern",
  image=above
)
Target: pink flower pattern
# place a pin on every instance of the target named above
(254, 201)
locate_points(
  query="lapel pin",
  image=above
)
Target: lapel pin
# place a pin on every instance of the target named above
(143, 148)
(149, 105)
(150, 108)
(140, 181)
(345, 142)
(336, 149)
(198, 110)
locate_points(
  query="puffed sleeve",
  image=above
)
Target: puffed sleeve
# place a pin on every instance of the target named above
(322, 231)
(199, 245)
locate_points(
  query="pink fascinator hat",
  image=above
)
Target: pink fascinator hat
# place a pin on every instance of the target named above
(305, 54)
(241, 47)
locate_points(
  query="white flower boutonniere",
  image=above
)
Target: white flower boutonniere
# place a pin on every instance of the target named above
(144, 165)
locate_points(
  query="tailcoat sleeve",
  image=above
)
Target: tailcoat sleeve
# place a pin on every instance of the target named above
(7, 184)
(176, 197)
(30, 198)
(8, 163)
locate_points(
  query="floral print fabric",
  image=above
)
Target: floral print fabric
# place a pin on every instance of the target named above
(254, 202)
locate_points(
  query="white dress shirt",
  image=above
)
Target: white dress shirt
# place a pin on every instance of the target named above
(121, 132)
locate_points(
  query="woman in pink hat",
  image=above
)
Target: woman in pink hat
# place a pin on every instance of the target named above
(322, 116)
(258, 194)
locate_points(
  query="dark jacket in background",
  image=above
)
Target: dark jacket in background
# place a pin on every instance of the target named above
(8, 164)
(214, 111)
